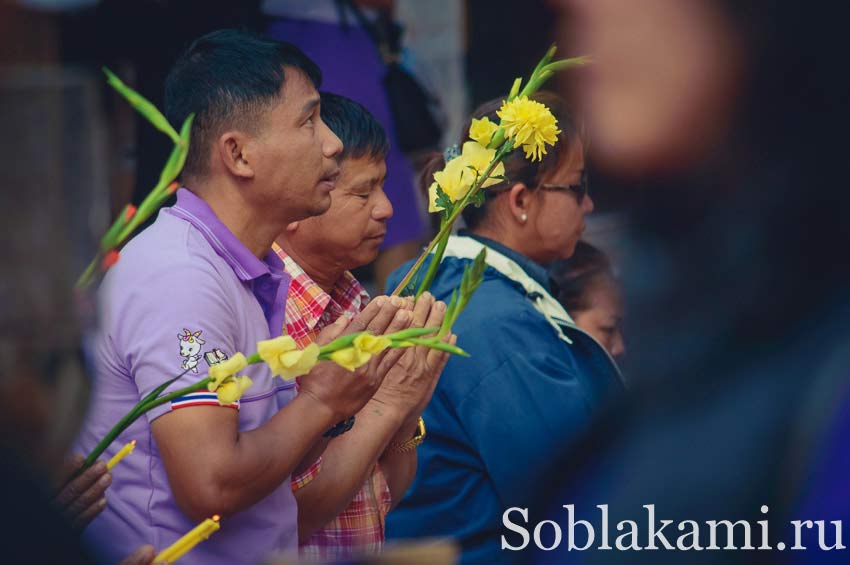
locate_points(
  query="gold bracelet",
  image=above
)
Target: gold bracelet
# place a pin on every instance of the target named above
(412, 443)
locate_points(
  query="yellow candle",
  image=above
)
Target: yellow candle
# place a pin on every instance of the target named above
(125, 451)
(185, 544)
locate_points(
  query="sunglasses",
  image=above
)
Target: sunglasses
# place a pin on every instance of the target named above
(579, 190)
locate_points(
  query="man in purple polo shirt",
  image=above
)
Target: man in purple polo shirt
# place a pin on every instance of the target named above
(200, 285)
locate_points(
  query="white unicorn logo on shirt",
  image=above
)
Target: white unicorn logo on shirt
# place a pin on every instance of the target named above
(190, 349)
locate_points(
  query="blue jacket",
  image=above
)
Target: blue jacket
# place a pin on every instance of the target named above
(497, 417)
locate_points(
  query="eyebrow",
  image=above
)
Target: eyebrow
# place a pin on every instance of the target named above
(368, 183)
(310, 105)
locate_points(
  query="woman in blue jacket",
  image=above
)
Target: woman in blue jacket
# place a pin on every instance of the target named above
(534, 379)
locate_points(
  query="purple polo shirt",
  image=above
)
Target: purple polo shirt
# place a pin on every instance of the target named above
(186, 276)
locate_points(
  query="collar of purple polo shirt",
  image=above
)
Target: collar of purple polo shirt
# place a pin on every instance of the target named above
(269, 282)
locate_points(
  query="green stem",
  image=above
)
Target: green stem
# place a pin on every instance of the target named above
(544, 60)
(134, 415)
(431, 273)
(447, 228)
(346, 341)
(88, 275)
(440, 345)
(410, 333)
(338, 343)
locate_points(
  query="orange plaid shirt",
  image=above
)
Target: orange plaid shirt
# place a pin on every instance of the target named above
(360, 527)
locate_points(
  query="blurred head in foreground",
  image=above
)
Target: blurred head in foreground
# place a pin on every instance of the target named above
(43, 388)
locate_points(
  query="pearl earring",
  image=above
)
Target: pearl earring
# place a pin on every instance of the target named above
(523, 218)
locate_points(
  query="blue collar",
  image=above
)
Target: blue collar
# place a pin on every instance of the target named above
(534, 270)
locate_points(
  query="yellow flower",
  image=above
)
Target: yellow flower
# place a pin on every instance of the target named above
(232, 389)
(221, 371)
(432, 199)
(285, 359)
(297, 363)
(530, 124)
(350, 357)
(372, 344)
(479, 157)
(482, 130)
(455, 179)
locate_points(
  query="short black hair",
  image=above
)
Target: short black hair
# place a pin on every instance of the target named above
(228, 78)
(355, 126)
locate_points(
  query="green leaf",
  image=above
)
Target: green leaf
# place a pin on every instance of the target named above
(515, 88)
(110, 238)
(142, 105)
(544, 60)
(443, 200)
(563, 64)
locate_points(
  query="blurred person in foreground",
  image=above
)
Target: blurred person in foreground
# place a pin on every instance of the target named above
(365, 471)
(534, 379)
(204, 274)
(735, 116)
(44, 388)
(587, 288)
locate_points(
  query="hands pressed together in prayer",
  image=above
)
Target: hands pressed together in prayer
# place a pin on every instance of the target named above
(332, 385)
(392, 391)
(401, 380)
(411, 381)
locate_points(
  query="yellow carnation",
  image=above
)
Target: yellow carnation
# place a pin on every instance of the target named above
(479, 157)
(372, 344)
(221, 371)
(530, 124)
(482, 130)
(350, 358)
(232, 389)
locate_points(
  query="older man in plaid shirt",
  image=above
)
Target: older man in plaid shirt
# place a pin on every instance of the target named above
(345, 495)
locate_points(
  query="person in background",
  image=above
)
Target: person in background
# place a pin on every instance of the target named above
(586, 286)
(362, 474)
(202, 284)
(330, 34)
(534, 379)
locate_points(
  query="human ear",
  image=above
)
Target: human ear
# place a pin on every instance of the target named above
(232, 150)
(519, 202)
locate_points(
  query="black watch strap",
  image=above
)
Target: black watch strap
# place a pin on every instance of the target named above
(340, 428)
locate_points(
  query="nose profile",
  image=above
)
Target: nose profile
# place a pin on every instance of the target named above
(618, 347)
(332, 144)
(383, 209)
(587, 204)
